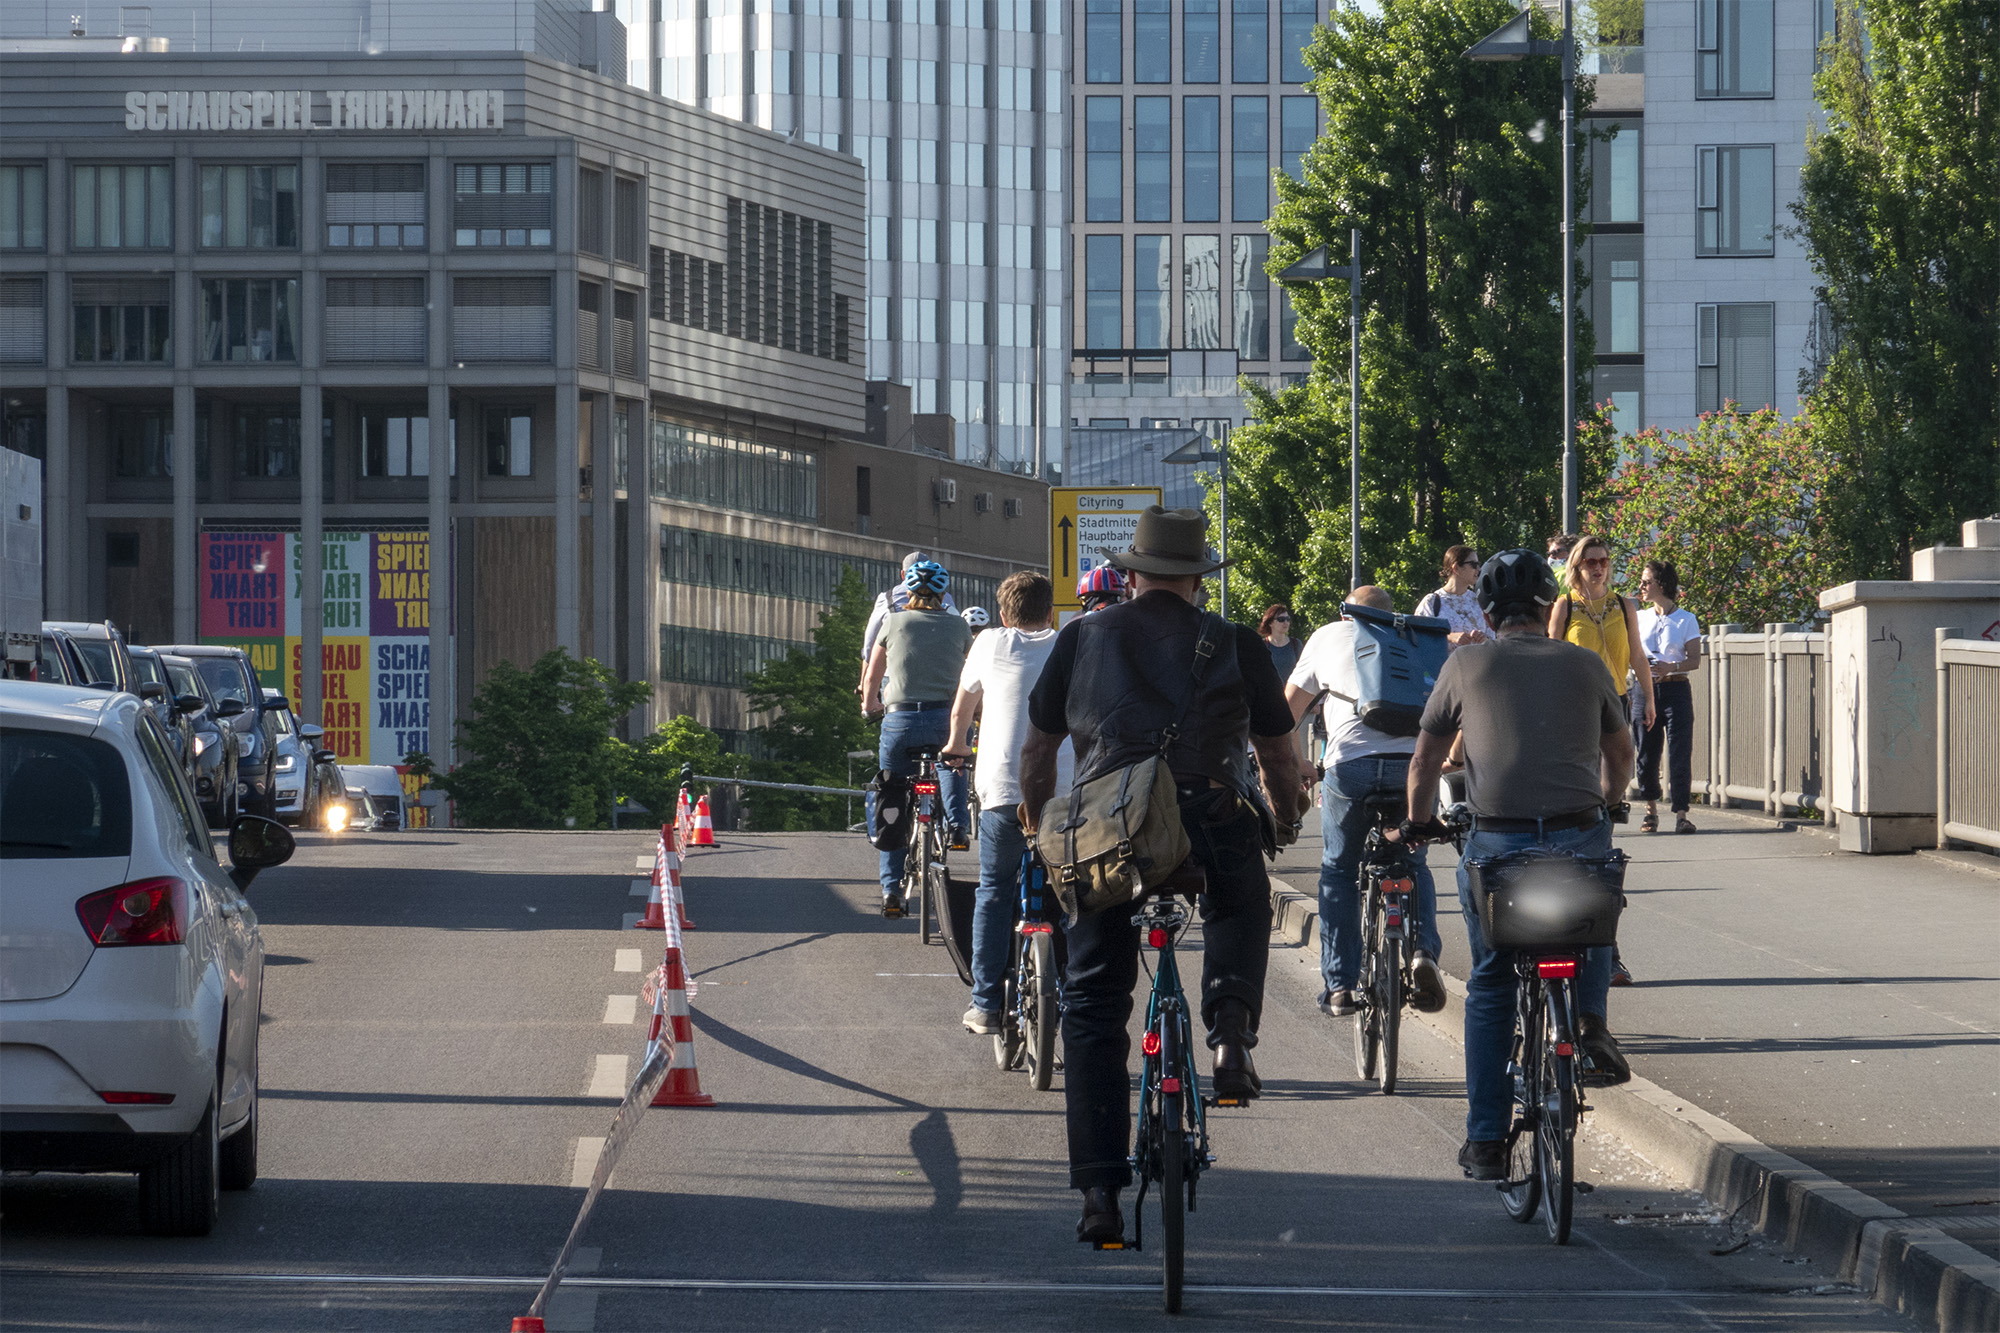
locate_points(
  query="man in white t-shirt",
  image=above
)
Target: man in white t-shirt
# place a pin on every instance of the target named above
(1000, 671)
(1361, 763)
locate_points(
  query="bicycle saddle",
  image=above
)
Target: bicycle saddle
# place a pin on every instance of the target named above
(1189, 880)
(1386, 811)
(923, 752)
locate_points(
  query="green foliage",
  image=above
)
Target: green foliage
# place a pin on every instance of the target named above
(651, 772)
(1451, 171)
(817, 717)
(1735, 504)
(1899, 204)
(542, 751)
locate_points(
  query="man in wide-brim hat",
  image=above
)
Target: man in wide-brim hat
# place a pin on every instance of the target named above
(1116, 682)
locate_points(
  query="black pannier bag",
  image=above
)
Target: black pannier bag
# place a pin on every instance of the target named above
(1539, 901)
(894, 811)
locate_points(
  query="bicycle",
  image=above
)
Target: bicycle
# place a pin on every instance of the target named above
(1031, 1008)
(1388, 945)
(924, 868)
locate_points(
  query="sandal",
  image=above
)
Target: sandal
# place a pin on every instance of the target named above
(1651, 823)
(1682, 824)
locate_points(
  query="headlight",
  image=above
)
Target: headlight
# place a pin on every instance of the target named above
(200, 744)
(336, 817)
(287, 762)
(249, 746)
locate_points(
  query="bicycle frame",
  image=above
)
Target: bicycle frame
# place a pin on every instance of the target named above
(1168, 1041)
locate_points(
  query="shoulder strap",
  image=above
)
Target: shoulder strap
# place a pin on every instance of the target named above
(1204, 652)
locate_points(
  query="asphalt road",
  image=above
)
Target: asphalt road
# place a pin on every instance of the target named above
(446, 1019)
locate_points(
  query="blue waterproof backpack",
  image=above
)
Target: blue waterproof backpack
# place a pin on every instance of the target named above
(1396, 662)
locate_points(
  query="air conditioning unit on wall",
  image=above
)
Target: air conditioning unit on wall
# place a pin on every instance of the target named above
(1011, 508)
(983, 502)
(945, 490)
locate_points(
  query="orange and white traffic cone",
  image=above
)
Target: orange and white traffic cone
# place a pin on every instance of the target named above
(683, 1082)
(704, 825)
(671, 890)
(529, 1323)
(684, 818)
(655, 917)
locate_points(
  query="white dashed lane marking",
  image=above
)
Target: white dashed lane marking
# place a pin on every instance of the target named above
(644, 863)
(626, 960)
(584, 1165)
(621, 1009)
(608, 1079)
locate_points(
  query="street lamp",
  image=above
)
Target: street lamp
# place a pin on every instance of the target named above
(1511, 42)
(1313, 268)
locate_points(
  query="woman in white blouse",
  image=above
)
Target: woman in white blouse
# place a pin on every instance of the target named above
(1456, 601)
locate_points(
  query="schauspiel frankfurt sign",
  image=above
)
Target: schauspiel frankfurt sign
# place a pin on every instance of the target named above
(416, 109)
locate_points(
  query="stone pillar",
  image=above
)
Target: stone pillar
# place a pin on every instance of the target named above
(312, 554)
(569, 503)
(187, 528)
(438, 511)
(61, 514)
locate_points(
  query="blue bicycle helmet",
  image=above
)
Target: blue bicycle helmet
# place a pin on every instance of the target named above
(927, 576)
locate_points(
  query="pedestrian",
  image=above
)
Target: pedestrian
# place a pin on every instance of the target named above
(1116, 683)
(1547, 749)
(1362, 764)
(912, 679)
(1275, 629)
(1672, 640)
(1455, 601)
(1559, 548)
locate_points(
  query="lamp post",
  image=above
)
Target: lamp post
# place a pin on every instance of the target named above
(1314, 268)
(1196, 450)
(1510, 42)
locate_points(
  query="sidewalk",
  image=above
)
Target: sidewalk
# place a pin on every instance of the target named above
(1843, 1010)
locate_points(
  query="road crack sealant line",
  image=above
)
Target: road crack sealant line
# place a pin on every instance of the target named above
(1908, 1264)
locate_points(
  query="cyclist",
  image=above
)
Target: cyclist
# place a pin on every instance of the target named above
(1100, 587)
(1115, 681)
(975, 619)
(888, 604)
(1361, 763)
(912, 676)
(1002, 667)
(1547, 749)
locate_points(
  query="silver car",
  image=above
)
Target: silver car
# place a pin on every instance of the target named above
(131, 966)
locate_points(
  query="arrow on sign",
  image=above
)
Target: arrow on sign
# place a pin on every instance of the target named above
(1065, 525)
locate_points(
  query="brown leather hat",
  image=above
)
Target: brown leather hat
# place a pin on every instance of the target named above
(1169, 542)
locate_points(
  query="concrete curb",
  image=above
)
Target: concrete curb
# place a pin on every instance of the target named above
(1906, 1263)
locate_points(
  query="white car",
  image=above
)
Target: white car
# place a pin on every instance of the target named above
(131, 966)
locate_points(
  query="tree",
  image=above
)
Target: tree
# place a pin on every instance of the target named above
(1899, 205)
(652, 765)
(1735, 504)
(1450, 169)
(817, 718)
(542, 751)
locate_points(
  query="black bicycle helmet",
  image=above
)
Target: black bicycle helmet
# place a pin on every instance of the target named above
(1515, 580)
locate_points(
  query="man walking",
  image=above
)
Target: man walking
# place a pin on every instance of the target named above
(1115, 684)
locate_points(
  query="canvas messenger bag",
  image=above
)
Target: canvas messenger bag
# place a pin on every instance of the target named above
(1108, 840)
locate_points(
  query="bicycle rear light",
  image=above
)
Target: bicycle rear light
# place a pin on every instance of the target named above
(1397, 885)
(1556, 967)
(1156, 938)
(1170, 1085)
(1038, 928)
(1150, 1043)
(926, 788)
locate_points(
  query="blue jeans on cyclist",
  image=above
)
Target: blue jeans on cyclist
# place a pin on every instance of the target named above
(1489, 991)
(902, 732)
(996, 905)
(1343, 830)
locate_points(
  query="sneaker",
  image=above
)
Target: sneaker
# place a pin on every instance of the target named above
(1339, 1004)
(1484, 1159)
(892, 906)
(1682, 824)
(981, 1021)
(1621, 975)
(1601, 1049)
(1426, 984)
(960, 840)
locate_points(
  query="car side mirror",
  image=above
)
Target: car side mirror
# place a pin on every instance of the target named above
(151, 690)
(229, 708)
(311, 732)
(325, 757)
(257, 843)
(187, 704)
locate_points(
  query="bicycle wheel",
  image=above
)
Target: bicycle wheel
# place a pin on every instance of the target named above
(1173, 1160)
(1367, 1019)
(1041, 1010)
(1389, 1010)
(1555, 1134)
(1521, 1192)
(1008, 1041)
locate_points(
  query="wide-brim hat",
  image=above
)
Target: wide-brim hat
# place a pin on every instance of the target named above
(1169, 542)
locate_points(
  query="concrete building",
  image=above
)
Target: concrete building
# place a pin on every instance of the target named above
(246, 300)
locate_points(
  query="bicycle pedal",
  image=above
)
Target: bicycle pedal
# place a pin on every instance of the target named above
(1112, 1245)
(1584, 1187)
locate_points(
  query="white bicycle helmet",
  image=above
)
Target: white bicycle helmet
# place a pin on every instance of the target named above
(976, 617)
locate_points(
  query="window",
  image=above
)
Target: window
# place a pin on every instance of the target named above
(968, 84)
(691, 558)
(718, 657)
(1201, 41)
(920, 321)
(1153, 41)
(1736, 359)
(396, 442)
(371, 204)
(590, 211)
(968, 163)
(1017, 324)
(1298, 129)
(621, 446)
(871, 78)
(142, 442)
(121, 319)
(502, 319)
(625, 332)
(377, 319)
(1104, 41)
(1152, 159)
(23, 206)
(250, 207)
(822, 73)
(1104, 159)
(628, 219)
(1289, 346)
(510, 442)
(267, 441)
(1614, 171)
(1623, 389)
(122, 207)
(1614, 292)
(1252, 289)
(589, 315)
(780, 282)
(709, 468)
(508, 204)
(24, 323)
(968, 243)
(1152, 291)
(920, 82)
(1295, 30)
(1733, 40)
(689, 290)
(1017, 88)
(1201, 291)
(1015, 165)
(919, 161)
(1104, 291)
(1201, 159)
(250, 319)
(1250, 41)
(1733, 201)
(968, 323)
(1250, 159)
(95, 823)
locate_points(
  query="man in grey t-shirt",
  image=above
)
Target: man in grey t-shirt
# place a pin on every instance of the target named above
(1547, 749)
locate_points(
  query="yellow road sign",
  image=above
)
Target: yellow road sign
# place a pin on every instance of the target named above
(1084, 522)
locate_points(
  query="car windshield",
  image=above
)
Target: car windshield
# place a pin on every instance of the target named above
(97, 663)
(62, 796)
(185, 681)
(281, 719)
(147, 668)
(224, 677)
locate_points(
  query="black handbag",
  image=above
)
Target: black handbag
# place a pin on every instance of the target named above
(1535, 900)
(894, 811)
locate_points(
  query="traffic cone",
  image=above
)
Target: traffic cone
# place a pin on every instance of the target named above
(529, 1323)
(655, 917)
(683, 1083)
(672, 888)
(684, 818)
(704, 825)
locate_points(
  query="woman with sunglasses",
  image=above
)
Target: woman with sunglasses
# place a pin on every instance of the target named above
(1275, 628)
(1457, 602)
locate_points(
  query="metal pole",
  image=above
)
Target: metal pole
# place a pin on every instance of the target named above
(1354, 406)
(1569, 485)
(1222, 449)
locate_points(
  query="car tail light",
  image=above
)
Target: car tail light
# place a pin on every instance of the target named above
(146, 911)
(1156, 938)
(1150, 1043)
(138, 1098)
(1556, 967)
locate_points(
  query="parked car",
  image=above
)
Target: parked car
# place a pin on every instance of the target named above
(374, 797)
(131, 969)
(159, 695)
(300, 772)
(215, 742)
(334, 812)
(95, 653)
(230, 676)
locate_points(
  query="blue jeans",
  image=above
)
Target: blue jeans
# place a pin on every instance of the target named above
(901, 733)
(1489, 991)
(996, 905)
(1343, 828)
